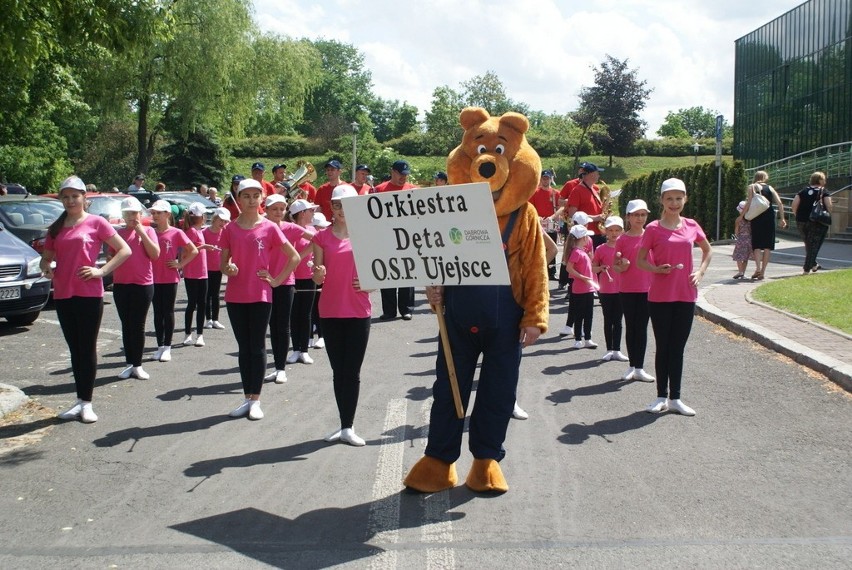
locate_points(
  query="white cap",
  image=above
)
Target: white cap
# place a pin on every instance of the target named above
(74, 183)
(161, 206)
(343, 191)
(579, 231)
(614, 221)
(636, 205)
(222, 214)
(319, 220)
(248, 183)
(274, 199)
(300, 206)
(741, 206)
(197, 209)
(673, 184)
(131, 204)
(581, 218)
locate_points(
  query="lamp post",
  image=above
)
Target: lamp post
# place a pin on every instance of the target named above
(354, 147)
(695, 148)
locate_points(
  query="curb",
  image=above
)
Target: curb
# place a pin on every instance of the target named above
(11, 398)
(750, 298)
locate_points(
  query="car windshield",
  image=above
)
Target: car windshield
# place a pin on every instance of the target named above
(31, 212)
(186, 198)
(109, 207)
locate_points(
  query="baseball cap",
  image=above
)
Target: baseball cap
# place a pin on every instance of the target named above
(589, 167)
(258, 166)
(333, 164)
(74, 183)
(300, 206)
(440, 174)
(248, 183)
(277, 166)
(636, 205)
(131, 204)
(274, 199)
(581, 218)
(401, 166)
(197, 209)
(672, 184)
(222, 214)
(319, 220)
(362, 167)
(343, 191)
(579, 231)
(161, 206)
(614, 221)
(237, 178)
(547, 172)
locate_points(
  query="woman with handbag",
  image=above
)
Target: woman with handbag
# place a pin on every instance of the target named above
(812, 231)
(762, 225)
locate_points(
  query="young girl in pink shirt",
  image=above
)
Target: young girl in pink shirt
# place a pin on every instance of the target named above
(673, 291)
(195, 275)
(609, 280)
(345, 310)
(302, 213)
(212, 234)
(247, 245)
(579, 266)
(74, 242)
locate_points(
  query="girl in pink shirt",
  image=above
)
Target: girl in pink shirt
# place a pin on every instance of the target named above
(673, 291)
(579, 266)
(302, 213)
(609, 280)
(74, 242)
(345, 310)
(212, 235)
(633, 289)
(195, 276)
(247, 260)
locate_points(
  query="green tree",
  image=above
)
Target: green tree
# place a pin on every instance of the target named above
(694, 122)
(193, 158)
(442, 120)
(487, 91)
(392, 119)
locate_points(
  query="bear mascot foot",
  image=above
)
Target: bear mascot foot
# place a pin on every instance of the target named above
(486, 477)
(430, 475)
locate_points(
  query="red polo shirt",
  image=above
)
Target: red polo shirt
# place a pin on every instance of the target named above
(565, 193)
(323, 197)
(544, 201)
(586, 200)
(388, 187)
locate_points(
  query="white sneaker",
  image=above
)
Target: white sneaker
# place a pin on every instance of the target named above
(73, 412)
(349, 436)
(681, 408)
(271, 376)
(579, 344)
(566, 331)
(255, 413)
(167, 354)
(643, 376)
(319, 343)
(218, 325)
(658, 406)
(311, 343)
(629, 374)
(590, 344)
(208, 324)
(125, 374)
(293, 358)
(158, 353)
(242, 410)
(188, 341)
(141, 374)
(200, 340)
(519, 414)
(305, 358)
(620, 356)
(608, 356)
(280, 377)
(87, 414)
(333, 436)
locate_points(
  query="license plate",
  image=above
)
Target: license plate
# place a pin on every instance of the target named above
(10, 293)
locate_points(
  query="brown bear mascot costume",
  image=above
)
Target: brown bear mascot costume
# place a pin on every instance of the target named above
(495, 322)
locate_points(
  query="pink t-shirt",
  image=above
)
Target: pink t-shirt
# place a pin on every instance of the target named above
(633, 280)
(171, 240)
(605, 255)
(213, 255)
(76, 247)
(583, 265)
(293, 233)
(197, 268)
(339, 299)
(305, 269)
(138, 268)
(673, 247)
(251, 250)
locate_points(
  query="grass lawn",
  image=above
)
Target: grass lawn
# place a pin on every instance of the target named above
(825, 297)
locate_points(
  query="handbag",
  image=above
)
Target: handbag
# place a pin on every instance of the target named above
(818, 213)
(757, 206)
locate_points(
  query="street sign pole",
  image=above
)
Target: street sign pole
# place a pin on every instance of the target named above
(719, 124)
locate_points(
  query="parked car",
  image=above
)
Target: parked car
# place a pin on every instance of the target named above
(180, 202)
(28, 217)
(23, 290)
(16, 189)
(108, 206)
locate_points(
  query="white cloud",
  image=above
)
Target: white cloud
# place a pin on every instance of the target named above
(542, 50)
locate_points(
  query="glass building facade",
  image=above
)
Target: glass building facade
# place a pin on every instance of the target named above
(793, 83)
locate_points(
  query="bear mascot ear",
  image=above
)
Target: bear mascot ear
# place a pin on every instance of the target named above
(473, 117)
(515, 121)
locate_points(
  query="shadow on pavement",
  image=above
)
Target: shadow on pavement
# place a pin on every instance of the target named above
(137, 434)
(567, 394)
(575, 434)
(212, 390)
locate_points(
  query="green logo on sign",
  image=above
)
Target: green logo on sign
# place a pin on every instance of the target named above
(455, 235)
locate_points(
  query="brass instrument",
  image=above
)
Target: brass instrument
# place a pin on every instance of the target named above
(305, 172)
(607, 196)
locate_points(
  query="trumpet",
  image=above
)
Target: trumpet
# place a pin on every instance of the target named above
(607, 196)
(305, 172)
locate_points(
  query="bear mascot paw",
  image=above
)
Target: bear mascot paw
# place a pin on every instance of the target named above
(485, 476)
(430, 475)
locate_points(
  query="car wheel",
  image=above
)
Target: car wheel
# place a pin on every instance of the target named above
(24, 319)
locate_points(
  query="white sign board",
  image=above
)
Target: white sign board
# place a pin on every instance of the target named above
(444, 235)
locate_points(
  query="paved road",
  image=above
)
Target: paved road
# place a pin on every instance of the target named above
(758, 479)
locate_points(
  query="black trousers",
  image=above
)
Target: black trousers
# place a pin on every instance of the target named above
(249, 321)
(132, 302)
(672, 324)
(164, 312)
(611, 309)
(582, 309)
(635, 309)
(196, 303)
(214, 287)
(813, 234)
(316, 323)
(401, 299)
(346, 344)
(80, 320)
(279, 324)
(300, 315)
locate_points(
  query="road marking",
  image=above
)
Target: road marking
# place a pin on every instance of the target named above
(438, 527)
(383, 523)
(824, 259)
(103, 330)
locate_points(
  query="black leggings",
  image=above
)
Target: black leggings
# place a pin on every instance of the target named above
(316, 323)
(279, 324)
(582, 308)
(672, 323)
(80, 319)
(635, 309)
(813, 234)
(132, 302)
(611, 308)
(164, 312)
(346, 345)
(214, 286)
(300, 315)
(196, 299)
(249, 321)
